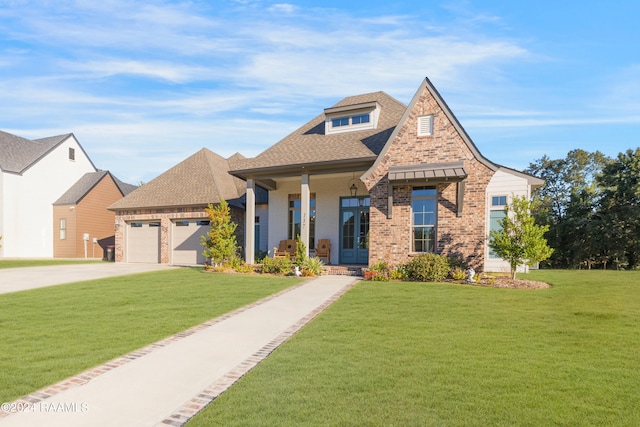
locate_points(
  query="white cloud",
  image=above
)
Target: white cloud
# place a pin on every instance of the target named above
(282, 8)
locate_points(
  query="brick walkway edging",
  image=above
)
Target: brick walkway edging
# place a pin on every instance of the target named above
(195, 405)
(189, 409)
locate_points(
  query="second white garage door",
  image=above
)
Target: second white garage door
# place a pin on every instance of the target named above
(186, 247)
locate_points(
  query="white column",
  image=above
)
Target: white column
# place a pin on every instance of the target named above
(305, 209)
(250, 223)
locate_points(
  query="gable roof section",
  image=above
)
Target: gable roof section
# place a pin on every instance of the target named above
(18, 154)
(427, 85)
(309, 146)
(86, 183)
(196, 181)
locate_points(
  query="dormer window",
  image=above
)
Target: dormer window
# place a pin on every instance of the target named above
(351, 118)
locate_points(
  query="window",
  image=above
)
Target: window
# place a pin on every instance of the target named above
(363, 118)
(424, 207)
(63, 229)
(343, 121)
(496, 214)
(498, 201)
(154, 224)
(182, 223)
(136, 224)
(425, 125)
(295, 224)
(353, 120)
(203, 222)
(72, 153)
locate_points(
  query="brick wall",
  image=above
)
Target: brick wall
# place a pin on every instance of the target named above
(391, 239)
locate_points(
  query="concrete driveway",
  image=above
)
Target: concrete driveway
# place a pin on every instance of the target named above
(20, 279)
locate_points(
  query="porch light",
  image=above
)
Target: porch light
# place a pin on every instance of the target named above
(353, 189)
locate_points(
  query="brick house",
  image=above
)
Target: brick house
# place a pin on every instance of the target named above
(383, 181)
(162, 220)
(83, 227)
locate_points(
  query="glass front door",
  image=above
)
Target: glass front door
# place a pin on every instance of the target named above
(354, 230)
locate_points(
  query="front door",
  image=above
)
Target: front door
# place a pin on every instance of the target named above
(354, 230)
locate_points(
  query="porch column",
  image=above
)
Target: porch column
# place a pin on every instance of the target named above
(305, 201)
(250, 223)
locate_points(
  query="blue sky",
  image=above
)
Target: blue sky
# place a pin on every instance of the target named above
(145, 84)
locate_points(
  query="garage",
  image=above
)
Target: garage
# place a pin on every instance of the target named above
(186, 248)
(143, 242)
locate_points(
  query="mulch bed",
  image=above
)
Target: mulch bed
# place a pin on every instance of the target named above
(507, 282)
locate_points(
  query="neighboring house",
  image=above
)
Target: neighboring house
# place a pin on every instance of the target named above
(33, 175)
(383, 181)
(162, 221)
(83, 227)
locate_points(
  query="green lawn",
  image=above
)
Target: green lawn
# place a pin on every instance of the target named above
(49, 334)
(15, 263)
(409, 354)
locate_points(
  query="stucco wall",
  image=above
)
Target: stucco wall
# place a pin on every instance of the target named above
(328, 189)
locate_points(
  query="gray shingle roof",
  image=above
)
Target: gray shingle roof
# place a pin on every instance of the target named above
(309, 144)
(200, 179)
(89, 180)
(17, 153)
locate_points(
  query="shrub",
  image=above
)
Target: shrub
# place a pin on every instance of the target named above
(399, 272)
(301, 252)
(280, 265)
(458, 274)
(311, 267)
(428, 268)
(378, 271)
(458, 262)
(244, 268)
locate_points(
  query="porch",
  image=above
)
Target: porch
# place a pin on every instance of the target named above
(319, 208)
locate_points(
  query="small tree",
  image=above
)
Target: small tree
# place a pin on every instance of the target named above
(219, 243)
(301, 251)
(520, 240)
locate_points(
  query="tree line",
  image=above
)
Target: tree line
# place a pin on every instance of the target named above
(591, 205)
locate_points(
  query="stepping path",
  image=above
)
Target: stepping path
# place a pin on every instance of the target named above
(168, 382)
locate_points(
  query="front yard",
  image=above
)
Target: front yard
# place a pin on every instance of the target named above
(442, 354)
(49, 334)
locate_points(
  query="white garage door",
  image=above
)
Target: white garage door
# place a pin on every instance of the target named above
(187, 249)
(143, 242)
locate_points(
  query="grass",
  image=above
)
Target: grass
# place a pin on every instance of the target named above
(409, 354)
(49, 334)
(17, 263)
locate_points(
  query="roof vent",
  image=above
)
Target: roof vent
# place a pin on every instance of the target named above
(425, 125)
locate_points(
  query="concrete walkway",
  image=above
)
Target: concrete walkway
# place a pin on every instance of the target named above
(168, 382)
(20, 279)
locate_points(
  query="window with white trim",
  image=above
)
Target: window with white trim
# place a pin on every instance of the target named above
(497, 213)
(295, 223)
(63, 229)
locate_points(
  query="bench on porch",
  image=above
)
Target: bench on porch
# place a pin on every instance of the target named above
(285, 248)
(323, 249)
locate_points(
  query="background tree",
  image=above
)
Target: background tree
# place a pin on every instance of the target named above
(620, 207)
(220, 241)
(567, 204)
(520, 240)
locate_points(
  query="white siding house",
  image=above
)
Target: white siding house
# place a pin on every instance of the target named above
(504, 185)
(34, 174)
